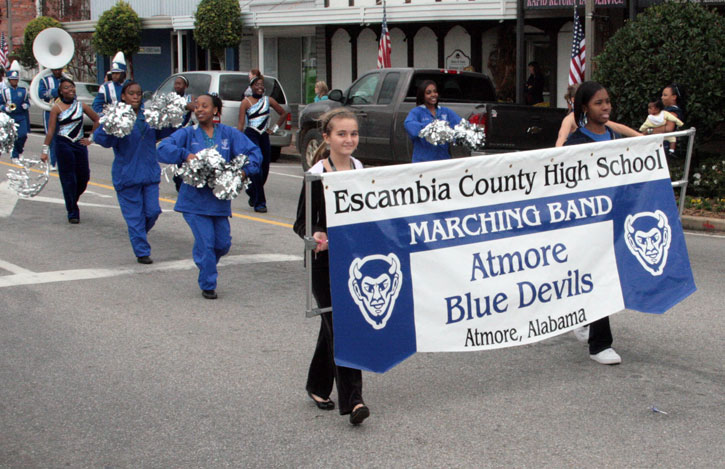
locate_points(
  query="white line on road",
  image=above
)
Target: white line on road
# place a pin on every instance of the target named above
(33, 278)
(62, 202)
(16, 269)
(288, 175)
(8, 199)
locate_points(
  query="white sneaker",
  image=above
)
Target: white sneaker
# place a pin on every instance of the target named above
(582, 334)
(607, 357)
(54, 168)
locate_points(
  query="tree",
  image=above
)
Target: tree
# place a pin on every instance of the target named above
(678, 42)
(218, 25)
(32, 29)
(118, 29)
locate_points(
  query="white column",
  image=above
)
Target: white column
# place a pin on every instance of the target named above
(260, 49)
(180, 50)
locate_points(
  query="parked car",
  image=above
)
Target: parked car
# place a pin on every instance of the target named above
(230, 87)
(85, 93)
(383, 98)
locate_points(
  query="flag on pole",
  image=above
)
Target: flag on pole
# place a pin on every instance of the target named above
(578, 53)
(384, 46)
(4, 52)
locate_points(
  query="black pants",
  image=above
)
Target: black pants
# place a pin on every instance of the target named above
(323, 370)
(73, 171)
(600, 336)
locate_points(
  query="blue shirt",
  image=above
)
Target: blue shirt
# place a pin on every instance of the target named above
(583, 135)
(229, 143)
(417, 119)
(135, 161)
(18, 96)
(109, 92)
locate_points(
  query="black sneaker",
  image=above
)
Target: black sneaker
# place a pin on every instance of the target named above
(145, 260)
(73, 221)
(209, 294)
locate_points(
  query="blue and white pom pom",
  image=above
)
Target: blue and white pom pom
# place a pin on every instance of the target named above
(118, 119)
(8, 133)
(165, 110)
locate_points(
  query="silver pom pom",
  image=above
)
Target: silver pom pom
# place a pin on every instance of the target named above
(118, 119)
(8, 133)
(469, 135)
(437, 132)
(27, 181)
(165, 110)
(209, 168)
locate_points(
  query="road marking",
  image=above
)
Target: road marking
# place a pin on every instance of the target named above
(98, 194)
(16, 269)
(288, 175)
(8, 199)
(705, 235)
(34, 278)
(52, 200)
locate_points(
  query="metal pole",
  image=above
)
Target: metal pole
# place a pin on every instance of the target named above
(589, 38)
(310, 245)
(180, 50)
(520, 59)
(686, 174)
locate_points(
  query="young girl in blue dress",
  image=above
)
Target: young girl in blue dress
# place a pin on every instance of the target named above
(207, 216)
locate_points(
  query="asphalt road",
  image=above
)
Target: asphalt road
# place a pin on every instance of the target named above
(108, 363)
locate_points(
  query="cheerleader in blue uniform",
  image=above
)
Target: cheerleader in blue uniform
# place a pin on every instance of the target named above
(71, 147)
(254, 120)
(419, 117)
(136, 173)
(14, 101)
(110, 92)
(207, 216)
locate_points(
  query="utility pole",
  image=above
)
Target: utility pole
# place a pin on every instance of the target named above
(589, 38)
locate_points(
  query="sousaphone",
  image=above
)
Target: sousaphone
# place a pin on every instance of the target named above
(53, 48)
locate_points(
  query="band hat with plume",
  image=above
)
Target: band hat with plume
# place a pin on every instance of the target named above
(14, 71)
(119, 63)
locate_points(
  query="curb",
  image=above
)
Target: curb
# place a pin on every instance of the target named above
(702, 223)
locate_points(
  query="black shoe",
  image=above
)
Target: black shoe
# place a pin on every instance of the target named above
(324, 405)
(358, 415)
(209, 294)
(145, 260)
(260, 209)
(74, 221)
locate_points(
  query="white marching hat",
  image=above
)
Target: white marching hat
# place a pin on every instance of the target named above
(119, 63)
(14, 71)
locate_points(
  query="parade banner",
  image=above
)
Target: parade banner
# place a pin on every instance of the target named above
(499, 250)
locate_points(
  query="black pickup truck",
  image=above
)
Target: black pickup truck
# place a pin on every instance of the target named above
(382, 99)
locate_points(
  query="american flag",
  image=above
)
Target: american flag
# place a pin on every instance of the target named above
(4, 52)
(578, 53)
(384, 46)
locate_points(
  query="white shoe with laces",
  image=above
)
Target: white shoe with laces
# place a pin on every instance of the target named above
(582, 334)
(607, 357)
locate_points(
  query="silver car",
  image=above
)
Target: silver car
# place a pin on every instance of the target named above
(85, 92)
(230, 87)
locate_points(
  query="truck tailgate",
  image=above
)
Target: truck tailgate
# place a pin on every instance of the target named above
(522, 127)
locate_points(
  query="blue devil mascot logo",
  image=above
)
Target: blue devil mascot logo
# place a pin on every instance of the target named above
(648, 237)
(374, 285)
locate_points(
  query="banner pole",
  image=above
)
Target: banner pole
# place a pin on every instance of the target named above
(310, 245)
(686, 174)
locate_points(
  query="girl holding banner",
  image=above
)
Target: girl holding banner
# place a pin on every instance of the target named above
(340, 132)
(591, 112)
(419, 117)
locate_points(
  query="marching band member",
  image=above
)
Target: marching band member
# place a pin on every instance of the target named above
(15, 101)
(67, 116)
(419, 117)
(340, 131)
(136, 173)
(254, 115)
(110, 92)
(207, 216)
(180, 85)
(591, 114)
(48, 92)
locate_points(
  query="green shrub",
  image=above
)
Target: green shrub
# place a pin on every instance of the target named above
(707, 179)
(118, 29)
(218, 25)
(32, 29)
(677, 42)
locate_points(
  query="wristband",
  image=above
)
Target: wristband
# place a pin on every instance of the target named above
(90, 138)
(275, 129)
(46, 149)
